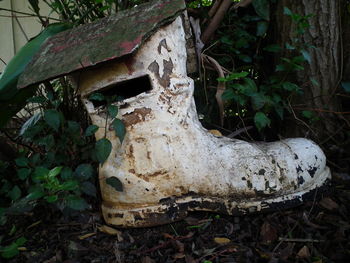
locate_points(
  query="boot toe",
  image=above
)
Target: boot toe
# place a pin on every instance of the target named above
(303, 163)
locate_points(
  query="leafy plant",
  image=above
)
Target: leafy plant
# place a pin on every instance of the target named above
(250, 92)
(12, 250)
(11, 98)
(103, 146)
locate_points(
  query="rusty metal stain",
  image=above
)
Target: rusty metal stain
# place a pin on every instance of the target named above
(104, 40)
(138, 115)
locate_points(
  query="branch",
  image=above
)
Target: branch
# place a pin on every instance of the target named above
(242, 3)
(215, 22)
(220, 88)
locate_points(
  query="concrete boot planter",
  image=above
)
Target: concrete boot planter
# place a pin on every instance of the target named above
(168, 164)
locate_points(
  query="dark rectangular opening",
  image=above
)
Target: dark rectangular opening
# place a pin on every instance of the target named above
(124, 89)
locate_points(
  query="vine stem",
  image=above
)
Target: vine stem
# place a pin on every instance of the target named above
(29, 14)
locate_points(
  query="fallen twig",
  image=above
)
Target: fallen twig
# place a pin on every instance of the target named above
(165, 244)
(306, 240)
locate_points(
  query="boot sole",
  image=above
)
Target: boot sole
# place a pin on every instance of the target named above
(176, 208)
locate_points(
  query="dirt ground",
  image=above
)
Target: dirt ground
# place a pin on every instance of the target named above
(317, 231)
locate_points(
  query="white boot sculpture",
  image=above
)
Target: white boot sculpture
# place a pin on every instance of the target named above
(168, 164)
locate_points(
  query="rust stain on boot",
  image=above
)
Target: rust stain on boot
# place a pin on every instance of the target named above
(146, 177)
(164, 80)
(138, 115)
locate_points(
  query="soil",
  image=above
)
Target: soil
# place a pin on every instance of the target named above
(317, 231)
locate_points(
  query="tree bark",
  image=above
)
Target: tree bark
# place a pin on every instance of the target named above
(325, 67)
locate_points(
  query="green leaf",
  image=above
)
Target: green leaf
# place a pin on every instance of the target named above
(289, 46)
(10, 251)
(281, 67)
(15, 193)
(306, 55)
(13, 230)
(241, 100)
(103, 148)
(40, 173)
(35, 5)
(290, 86)
(298, 59)
(112, 111)
(84, 171)
(250, 87)
(307, 114)
(69, 185)
(226, 40)
(279, 110)
(262, 28)
(315, 83)
(11, 73)
(245, 58)
(35, 193)
(30, 123)
(21, 241)
(3, 220)
(261, 120)
(51, 198)
(115, 183)
(89, 189)
(77, 203)
(258, 100)
(23, 173)
(47, 141)
(234, 76)
(22, 161)
(228, 94)
(35, 159)
(287, 11)
(52, 118)
(13, 99)
(66, 173)
(346, 85)
(73, 127)
(262, 8)
(91, 130)
(119, 129)
(273, 48)
(55, 171)
(97, 97)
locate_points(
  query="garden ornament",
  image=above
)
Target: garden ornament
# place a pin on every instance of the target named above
(168, 164)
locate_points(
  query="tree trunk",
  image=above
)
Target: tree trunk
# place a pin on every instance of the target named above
(325, 67)
(346, 39)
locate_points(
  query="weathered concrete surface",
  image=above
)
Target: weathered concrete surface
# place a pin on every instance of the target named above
(169, 164)
(107, 39)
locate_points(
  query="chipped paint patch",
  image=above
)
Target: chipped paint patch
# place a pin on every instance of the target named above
(163, 80)
(138, 115)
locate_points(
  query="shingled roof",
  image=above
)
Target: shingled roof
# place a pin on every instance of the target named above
(106, 39)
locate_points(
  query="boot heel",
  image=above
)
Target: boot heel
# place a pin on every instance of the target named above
(129, 215)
